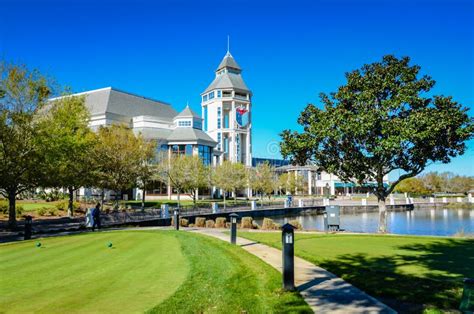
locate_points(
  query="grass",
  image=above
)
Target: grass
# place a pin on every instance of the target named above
(145, 271)
(411, 274)
(34, 206)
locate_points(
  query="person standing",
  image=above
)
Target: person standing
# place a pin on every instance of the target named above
(96, 217)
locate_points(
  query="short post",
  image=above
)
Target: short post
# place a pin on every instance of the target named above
(459, 199)
(467, 299)
(233, 227)
(253, 205)
(164, 211)
(364, 202)
(392, 201)
(28, 226)
(325, 220)
(432, 200)
(176, 219)
(287, 238)
(445, 199)
(300, 203)
(215, 207)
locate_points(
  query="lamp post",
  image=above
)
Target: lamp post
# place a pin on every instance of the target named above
(288, 243)
(233, 227)
(28, 226)
(176, 219)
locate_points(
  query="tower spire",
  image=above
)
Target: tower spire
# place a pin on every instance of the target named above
(228, 44)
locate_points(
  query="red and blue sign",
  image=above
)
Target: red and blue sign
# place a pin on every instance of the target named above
(242, 116)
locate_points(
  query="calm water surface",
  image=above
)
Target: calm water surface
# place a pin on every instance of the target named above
(440, 222)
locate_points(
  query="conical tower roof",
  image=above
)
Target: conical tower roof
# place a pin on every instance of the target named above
(228, 62)
(187, 113)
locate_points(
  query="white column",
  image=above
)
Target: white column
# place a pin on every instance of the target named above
(310, 182)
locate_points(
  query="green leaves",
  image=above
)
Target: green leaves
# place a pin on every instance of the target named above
(380, 121)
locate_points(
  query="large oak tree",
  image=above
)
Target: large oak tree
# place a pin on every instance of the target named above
(381, 120)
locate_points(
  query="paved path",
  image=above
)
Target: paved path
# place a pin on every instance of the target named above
(322, 290)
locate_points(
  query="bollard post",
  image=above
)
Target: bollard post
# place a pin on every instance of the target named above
(325, 220)
(28, 226)
(176, 219)
(287, 238)
(233, 227)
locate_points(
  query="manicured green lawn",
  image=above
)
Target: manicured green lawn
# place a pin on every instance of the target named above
(408, 273)
(35, 206)
(145, 271)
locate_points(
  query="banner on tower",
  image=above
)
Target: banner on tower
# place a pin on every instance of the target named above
(242, 116)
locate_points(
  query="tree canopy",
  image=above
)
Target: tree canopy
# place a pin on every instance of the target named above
(383, 119)
(22, 93)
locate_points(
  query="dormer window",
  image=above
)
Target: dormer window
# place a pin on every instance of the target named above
(184, 123)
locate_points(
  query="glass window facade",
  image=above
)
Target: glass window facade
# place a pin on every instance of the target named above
(205, 118)
(211, 95)
(204, 98)
(182, 149)
(205, 153)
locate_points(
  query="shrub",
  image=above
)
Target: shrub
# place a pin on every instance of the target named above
(246, 223)
(4, 207)
(268, 224)
(200, 222)
(191, 225)
(227, 225)
(19, 210)
(42, 211)
(210, 223)
(183, 222)
(63, 205)
(220, 222)
(255, 225)
(296, 224)
(52, 211)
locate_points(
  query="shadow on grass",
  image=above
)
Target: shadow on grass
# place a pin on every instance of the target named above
(445, 264)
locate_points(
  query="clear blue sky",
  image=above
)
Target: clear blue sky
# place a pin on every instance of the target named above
(290, 51)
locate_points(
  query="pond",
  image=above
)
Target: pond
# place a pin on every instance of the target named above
(437, 222)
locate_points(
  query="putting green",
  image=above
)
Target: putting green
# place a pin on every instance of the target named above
(82, 274)
(143, 271)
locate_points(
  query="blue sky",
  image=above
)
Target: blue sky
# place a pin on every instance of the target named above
(290, 51)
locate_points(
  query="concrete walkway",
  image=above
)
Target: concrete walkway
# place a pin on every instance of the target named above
(322, 290)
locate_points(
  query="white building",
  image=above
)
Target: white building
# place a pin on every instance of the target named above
(174, 133)
(226, 109)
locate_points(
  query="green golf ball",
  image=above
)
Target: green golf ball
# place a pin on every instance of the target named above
(38, 244)
(109, 244)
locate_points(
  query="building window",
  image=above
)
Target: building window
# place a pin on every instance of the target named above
(205, 154)
(318, 176)
(205, 118)
(226, 121)
(218, 123)
(219, 94)
(227, 94)
(218, 111)
(211, 95)
(184, 123)
(178, 149)
(197, 124)
(189, 149)
(204, 98)
(219, 137)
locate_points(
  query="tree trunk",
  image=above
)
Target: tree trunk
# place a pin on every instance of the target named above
(179, 199)
(12, 209)
(224, 199)
(143, 199)
(116, 200)
(382, 215)
(70, 207)
(102, 199)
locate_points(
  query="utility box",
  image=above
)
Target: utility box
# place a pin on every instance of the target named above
(332, 218)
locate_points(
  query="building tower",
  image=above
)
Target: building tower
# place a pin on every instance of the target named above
(226, 110)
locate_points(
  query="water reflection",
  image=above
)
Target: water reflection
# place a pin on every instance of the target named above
(419, 221)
